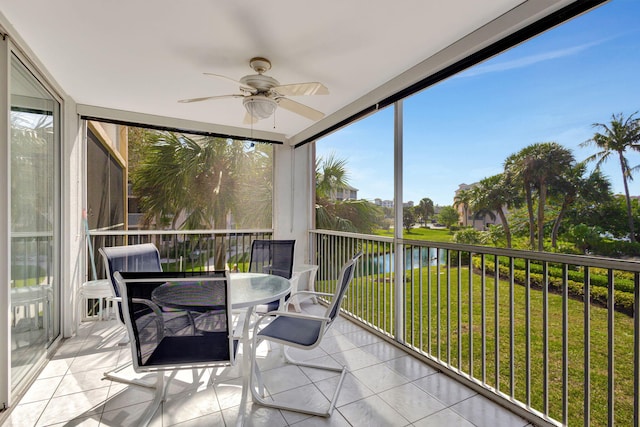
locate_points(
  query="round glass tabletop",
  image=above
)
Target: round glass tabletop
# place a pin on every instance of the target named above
(247, 289)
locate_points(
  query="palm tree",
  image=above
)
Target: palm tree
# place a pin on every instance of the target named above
(331, 175)
(565, 192)
(425, 209)
(463, 198)
(346, 215)
(192, 180)
(593, 189)
(517, 174)
(495, 193)
(616, 138)
(536, 167)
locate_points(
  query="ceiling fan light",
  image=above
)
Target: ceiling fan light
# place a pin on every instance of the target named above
(259, 107)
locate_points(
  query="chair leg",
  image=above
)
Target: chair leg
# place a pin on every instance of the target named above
(259, 394)
(113, 376)
(158, 398)
(258, 373)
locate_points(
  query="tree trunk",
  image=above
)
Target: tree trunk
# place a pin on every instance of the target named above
(632, 232)
(541, 201)
(505, 226)
(220, 256)
(556, 224)
(220, 260)
(532, 233)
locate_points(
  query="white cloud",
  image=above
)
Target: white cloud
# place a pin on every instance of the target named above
(527, 60)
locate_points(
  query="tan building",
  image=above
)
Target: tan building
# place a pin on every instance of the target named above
(478, 220)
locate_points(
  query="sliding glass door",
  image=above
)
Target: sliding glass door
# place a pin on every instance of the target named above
(34, 221)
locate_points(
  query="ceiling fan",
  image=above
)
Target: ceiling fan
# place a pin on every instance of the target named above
(261, 94)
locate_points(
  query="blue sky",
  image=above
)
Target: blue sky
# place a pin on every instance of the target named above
(551, 88)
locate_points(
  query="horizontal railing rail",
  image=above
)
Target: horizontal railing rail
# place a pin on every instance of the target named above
(551, 336)
(180, 250)
(184, 249)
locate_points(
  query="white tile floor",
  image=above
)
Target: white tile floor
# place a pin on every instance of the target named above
(384, 387)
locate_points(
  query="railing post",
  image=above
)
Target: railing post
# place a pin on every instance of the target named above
(398, 229)
(636, 349)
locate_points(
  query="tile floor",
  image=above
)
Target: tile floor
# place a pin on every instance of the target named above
(384, 387)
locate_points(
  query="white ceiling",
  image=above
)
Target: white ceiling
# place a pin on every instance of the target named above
(142, 56)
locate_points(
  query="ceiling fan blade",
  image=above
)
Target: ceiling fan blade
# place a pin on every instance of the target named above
(242, 85)
(300, 89)
(303, 110)
(205, 98)
(249, 119)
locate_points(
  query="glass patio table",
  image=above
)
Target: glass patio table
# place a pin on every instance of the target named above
(247, 291)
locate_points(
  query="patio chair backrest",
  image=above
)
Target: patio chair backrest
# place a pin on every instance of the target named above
(272, 257)
(142, 257)
(155, 344)
(344, 279)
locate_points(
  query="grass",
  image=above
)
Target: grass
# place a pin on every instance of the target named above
(439, 235)
(26, 275)
(372, 300)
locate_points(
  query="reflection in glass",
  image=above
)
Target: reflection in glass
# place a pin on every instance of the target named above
(34, 128)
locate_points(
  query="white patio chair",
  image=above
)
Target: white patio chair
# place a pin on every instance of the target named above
(301, 331)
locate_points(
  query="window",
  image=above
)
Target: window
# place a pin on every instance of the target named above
(179, 180)
(355, 166)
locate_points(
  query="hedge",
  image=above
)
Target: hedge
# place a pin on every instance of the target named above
(623, 279)
(624, 300)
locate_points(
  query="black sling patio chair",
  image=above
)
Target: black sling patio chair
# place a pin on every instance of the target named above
(301, 331)
(142, 257)
(157, 349)
(273, 257)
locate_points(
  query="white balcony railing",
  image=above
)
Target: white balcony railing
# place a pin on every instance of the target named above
(184, 249)
(550, 336)
(528, 333)
(179, 250)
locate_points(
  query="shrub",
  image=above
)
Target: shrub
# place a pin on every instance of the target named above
(623, 292)
(616, 248)
(469, 236)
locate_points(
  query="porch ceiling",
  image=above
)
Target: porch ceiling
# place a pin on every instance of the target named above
(142, 57)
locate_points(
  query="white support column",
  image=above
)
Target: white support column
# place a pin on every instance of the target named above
(73, 266)
(5, 274)
(398, 229)
(291, 198)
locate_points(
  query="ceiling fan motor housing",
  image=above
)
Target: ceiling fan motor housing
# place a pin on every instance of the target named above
(259, 81)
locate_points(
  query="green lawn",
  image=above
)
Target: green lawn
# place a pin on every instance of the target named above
(372, 300)
(420, 234)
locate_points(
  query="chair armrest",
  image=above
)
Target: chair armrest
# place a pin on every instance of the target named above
(278, 313)
(324, 294)
(303, 293)
(157, 315)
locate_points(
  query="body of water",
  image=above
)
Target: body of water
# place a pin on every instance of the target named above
(416, 257)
